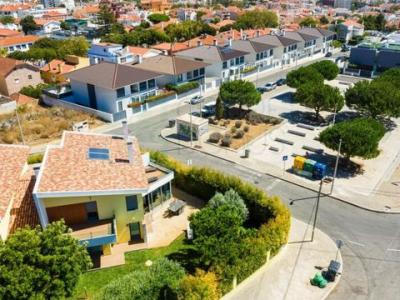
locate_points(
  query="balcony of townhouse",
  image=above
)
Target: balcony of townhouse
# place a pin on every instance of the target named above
(95, 233)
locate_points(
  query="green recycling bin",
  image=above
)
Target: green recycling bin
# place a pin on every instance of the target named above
(319, 280)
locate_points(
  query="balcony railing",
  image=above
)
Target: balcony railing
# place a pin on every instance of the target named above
(97, 233)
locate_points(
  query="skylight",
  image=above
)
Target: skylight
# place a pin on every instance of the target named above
(99, 153)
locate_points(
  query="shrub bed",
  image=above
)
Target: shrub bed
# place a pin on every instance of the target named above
(159, 96)
(267, 214)
(179, 89)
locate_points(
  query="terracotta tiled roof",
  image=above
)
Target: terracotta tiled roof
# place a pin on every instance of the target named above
(57, 66)
(14, 7)
(352, 23)
(13, 159)
(138, 50)
(9, 64)
(4, 32)
(174, 48)
(21, 98)
(24, 212)
(17, 40)
(68, 169)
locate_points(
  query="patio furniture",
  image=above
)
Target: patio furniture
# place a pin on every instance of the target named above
(176, 207)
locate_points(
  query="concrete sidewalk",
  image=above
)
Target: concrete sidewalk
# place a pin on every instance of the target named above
(287, 276)
(346, 191)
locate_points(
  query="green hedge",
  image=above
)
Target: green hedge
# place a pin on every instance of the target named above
(268, 214)
(35, 158)
(159, 96)
(179, 89)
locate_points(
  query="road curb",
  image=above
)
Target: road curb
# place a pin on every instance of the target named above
(283, 179)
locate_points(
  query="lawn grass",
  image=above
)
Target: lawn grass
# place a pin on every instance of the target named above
(91, 282)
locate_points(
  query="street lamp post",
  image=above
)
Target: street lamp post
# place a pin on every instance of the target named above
(336, 166)
(316, 209)
(191, 127)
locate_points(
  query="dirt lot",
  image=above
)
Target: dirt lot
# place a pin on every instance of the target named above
(40, 124)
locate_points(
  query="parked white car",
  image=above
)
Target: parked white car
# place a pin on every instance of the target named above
(269, 86)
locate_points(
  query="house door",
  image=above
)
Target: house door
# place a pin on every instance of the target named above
(134, 229)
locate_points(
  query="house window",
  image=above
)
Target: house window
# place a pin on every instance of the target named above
(189, 75)
(121, 92)
(258, 56)
(196, 73)
(134, 88)
(225, 65)
(143, 86)
(29, 76)
(271, 52)
(131, 202)
(232, 63)
(123, 60)
(180, 78)
(120, 107)
(151, 83)
(202, 71)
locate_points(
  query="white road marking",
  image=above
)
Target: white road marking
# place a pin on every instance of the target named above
(273, 184)
(395, 250)
(355, 243)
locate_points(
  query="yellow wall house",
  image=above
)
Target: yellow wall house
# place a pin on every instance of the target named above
(101, 185)
(12, 167)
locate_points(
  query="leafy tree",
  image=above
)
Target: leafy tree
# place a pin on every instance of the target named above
(202, 286)
(28, 24)
(3, 52)
(328, 69)
(144, 25)
(360, 137)
(308, 22)
(73, 46)
(105, 15)
(303, 75)
(157, 18)
(239, 92)
(392, 75)
(257, 19)
(159, 281)
(319, 96)
(34, 92)
(218, 235)
(337, 44)
(232, 198)
(7, 20)
(379, 98)
(374, 22)
(65, 26)
(187, 30)
(219, 108)
(323, 20)
(117, 28)
(41, 264)
(199, 14)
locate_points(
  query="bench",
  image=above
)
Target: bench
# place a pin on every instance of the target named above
(298, 133)
(304, 126)
(284, 141)
(312, 149)
(272, 148)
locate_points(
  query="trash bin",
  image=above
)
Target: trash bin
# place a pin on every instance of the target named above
(246, 153)
(171, 123)
(319, 280)
(333, 270)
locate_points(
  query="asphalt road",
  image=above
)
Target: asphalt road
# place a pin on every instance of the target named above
(371, 253)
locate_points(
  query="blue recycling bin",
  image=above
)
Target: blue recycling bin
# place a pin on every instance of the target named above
(319, 171)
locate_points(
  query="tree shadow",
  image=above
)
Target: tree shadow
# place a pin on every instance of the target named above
(287, 97)
(343, 116)
(187, 258)
(304, 117)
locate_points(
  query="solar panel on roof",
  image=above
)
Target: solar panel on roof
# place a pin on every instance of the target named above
(99, 153)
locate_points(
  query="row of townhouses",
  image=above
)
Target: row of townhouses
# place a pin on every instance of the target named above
(118, 84)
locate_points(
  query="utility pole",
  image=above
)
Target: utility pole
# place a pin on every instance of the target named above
(191, 128)
(316, 209)
(336, 165)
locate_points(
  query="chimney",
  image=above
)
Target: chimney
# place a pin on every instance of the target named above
(215, 42)
(198, 43)
(283, 32)
(230, 42)
(165, 52)
(257, 33)
(130, 151)
(60, 69)
(140, 59)
(241, 34)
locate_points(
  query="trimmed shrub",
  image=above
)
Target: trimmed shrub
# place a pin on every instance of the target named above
(246, 128)
(266, 213)
(179, 89)
(226, 140)
(215, 137)
(238, 124)
(239, 134)
(162, 278)
(202, 286)
(255, 118)
(35, 158)
(233, 129)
